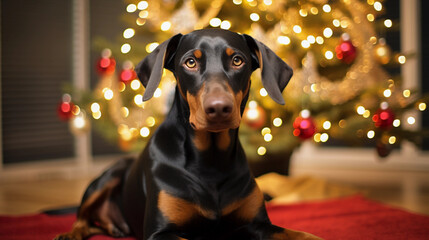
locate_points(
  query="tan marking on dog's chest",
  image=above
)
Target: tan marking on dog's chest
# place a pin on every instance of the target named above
(246, 208)
(223, 140)
(180, 211)
(202, 140)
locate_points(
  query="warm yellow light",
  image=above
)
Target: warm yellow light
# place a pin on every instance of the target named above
(95, 107)
(268, 137)
(108, 93)
(422, 106)
(392, 140)
(411, 120)
(151, 46)
(165, 26)
(366, 114)
(79, 122)
(125, 112)
(96, 115)
(121, 86)
(326, 125)
(360, 110)
(402, 59)
(253, 104)
(303, 12)
(284, 40)
(314, 87)
(263, 92)
(378, 6)
(215, 22)
(320, 40)
(336, 22)
(329, 55)
(128, 33)
(265, 130)
(327, 32)
(370, 2)
(158, 93)
(254, 17)
(387, 93)
(396, 123)
(144, 14)
(237, 2)
(406, 93)
(225, 25)
(142, 5)
(316, 137)
(326, 8)
(76, 110)
(135, 84)
(138, 100)
(125, 48)
(370, 134)
(144, 132)
(305, 44)
(388, 23)
(268, 2)
(297, 29)
(150, 121)
(314, 10)
(311, 39)
(324, 137)
(131, 8)
(277, 122)
(370, 17)
(140, 21)
(261, 151)
(344, 23)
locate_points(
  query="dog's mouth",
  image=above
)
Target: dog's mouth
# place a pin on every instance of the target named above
(218, 126)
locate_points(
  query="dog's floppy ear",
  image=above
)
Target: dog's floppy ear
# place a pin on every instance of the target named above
(275, 73)
(149, 70)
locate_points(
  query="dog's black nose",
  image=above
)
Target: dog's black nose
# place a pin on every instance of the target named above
(218, 107)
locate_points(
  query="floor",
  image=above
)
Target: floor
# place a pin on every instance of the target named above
(17, 198)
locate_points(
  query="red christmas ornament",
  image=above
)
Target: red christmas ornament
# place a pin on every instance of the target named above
(254, 116)
(384, 117)
(304, 126)
(65, 108)
(346, 51)
(127, 75)
(106, 66)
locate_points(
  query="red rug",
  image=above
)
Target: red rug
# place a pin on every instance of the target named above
(348, 218)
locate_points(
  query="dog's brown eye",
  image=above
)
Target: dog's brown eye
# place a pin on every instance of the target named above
(191, 63)
(237, 61)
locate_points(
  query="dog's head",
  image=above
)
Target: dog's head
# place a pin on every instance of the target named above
(213, 69)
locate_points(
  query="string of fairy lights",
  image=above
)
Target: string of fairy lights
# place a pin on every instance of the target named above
(359, 47)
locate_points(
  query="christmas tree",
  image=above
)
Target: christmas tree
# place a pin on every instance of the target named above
(340, 90)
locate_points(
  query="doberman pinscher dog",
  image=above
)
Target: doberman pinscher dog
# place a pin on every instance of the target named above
(192, 181)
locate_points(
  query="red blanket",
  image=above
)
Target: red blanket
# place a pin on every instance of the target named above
(347, 218)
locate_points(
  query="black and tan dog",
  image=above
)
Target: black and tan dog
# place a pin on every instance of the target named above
(192, 180)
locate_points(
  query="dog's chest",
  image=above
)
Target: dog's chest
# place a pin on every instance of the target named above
(211, 209)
